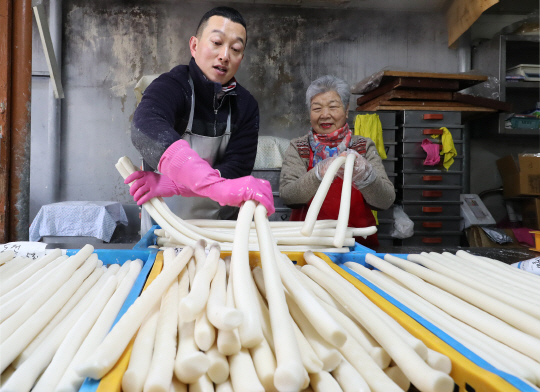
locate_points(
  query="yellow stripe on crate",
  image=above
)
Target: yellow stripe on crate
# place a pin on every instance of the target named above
(112, 381)
(464, 371)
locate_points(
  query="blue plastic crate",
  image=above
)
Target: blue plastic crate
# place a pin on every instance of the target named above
(120, 256)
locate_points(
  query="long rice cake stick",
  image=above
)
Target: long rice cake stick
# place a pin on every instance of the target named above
(73, 340)
(71, 380)
(218, 313)
(501, 310)
(28, 329)
(195, 302)
(27, 272)
(190, 364)
(112, 347)
(243, 375)
(345, 202)
(32, 367)
(161, 370)
(458, 308)
(218, 371)
(318, 199)
(244, 296)
(289, 373)
(420, 374)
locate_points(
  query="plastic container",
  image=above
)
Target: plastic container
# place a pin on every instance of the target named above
(525, 122)
(530, 72)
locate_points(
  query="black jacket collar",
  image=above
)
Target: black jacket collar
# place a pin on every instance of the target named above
(204, 89)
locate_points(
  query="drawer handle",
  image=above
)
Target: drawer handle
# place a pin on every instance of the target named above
(431, 209)
(431, 178)
(431, 193)
(433, 225)
(432, 240)
(433, 116)
(433, 132)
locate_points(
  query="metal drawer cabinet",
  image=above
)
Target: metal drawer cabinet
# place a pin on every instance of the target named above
(416, 163)
(386, 214)
(436, 118)
(440, 239)
(432, 208)
(389, 135)
(388, 119)
(389, 165)
(431, 178)
(420, 133)
(435, 225)
(390, 149)
(385, 240)
(385, 226)
(424, 193)
(415, 147)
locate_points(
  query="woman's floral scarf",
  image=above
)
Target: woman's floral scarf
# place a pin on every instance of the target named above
(327, 146)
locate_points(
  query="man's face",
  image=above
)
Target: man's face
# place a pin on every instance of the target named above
(220, 49)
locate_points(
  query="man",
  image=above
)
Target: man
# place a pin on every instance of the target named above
(198, 127)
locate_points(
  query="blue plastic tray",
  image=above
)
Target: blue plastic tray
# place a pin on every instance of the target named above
(148, 256)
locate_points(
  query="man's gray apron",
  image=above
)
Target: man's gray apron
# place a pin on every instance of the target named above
(211, 149)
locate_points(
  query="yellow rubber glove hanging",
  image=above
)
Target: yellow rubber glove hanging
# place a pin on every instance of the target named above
(448, 149)
(369, 125)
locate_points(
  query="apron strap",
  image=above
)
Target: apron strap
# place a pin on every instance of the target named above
(192, 111)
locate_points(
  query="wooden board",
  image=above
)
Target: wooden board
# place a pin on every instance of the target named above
(385, 77)
(404, 84)
(423, 103)
(481, 101)
(444, 108)
(461, 14)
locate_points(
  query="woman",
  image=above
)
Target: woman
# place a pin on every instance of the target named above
(327, 99)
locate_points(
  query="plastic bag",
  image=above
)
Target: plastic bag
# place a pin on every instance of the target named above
(403, 225)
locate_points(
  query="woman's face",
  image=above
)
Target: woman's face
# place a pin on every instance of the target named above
(327, 113)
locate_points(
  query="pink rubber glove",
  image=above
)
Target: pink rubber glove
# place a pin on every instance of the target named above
(149, 184)
(185, 167)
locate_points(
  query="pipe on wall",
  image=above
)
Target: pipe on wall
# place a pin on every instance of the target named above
(54, 109)
(464, 65)
(21, 83)
(6, 26)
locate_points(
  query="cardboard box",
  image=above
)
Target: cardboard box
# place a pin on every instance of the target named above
(521, 177)
(530, 212)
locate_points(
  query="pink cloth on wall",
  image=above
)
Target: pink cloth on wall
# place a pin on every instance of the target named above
(432, 150)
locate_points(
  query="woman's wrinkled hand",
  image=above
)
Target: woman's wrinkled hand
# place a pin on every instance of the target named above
(363, 173)
(321, 167)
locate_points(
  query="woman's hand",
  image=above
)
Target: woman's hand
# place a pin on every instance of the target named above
(321, 167)
(363, 173)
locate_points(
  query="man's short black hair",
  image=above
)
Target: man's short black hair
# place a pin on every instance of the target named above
(226, 12)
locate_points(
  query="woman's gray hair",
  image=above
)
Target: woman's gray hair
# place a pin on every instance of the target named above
(328, 83)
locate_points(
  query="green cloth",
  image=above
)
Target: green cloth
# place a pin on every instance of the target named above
(448, 149)
(369, 125)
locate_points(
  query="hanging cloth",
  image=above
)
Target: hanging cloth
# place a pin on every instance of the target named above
(369, 125)
(448, 149)
(432, 150)
(360, 215)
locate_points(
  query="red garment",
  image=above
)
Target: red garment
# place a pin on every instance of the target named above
(360, 215)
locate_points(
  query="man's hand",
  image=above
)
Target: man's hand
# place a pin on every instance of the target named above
(148, 184)
(186, 168)
(235, 192)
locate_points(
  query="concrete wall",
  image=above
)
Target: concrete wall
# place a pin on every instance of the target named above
(109, 45)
